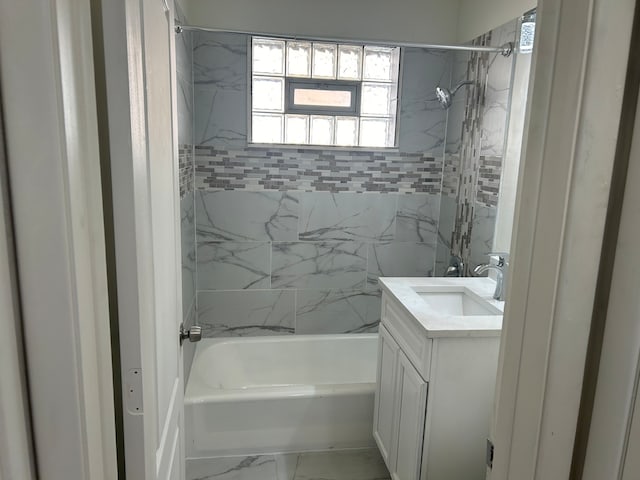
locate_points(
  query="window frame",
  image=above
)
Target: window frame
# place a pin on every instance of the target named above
(394, 118)
(291, 83)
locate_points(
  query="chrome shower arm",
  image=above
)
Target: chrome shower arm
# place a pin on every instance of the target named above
(465, 82)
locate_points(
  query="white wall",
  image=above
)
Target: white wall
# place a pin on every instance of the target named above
(479, 16)
(425, 21)
(422, 21)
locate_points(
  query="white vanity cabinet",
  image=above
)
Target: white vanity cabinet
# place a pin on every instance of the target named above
(433, 400)
(399, 409)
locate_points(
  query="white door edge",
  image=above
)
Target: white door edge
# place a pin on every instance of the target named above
(54, 171)
(17, 458)
(614, 431)
(568, 150)
(150, 422)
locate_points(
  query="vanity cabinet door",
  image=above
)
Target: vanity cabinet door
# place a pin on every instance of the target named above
(411, 398)
(385, 398)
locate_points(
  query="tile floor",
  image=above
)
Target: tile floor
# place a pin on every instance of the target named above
(365, 464)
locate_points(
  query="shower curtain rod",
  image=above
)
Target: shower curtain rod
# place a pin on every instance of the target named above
(505, 50)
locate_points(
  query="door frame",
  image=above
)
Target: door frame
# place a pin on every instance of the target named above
(123, 125)
(548, 313)
(610, 436)
(47, 81)
(17, 459)
(119, 74)
(578, 71)
(122, 101)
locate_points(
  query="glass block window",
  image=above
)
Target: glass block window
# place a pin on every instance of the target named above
(321, 93)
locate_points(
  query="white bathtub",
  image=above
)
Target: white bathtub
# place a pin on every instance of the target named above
(280, 394)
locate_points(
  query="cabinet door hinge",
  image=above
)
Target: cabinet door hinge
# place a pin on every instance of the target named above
(489, 453)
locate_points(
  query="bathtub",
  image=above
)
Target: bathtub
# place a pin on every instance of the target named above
(280, 394)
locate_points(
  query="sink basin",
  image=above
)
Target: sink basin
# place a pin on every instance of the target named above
(458, 302)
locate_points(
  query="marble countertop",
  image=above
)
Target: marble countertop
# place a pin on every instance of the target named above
(402, 289)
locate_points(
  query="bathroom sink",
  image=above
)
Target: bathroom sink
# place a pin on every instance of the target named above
(442, 306)
(458, 302)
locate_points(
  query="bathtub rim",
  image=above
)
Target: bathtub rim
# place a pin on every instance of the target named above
(209, 395)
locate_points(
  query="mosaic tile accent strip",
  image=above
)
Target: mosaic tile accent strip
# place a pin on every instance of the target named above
(451, 175)
(185, 169)
(488, 189)
(470, 150)
(310, 170)
(481, 145)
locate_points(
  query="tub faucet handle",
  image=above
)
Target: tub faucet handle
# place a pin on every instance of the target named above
(194, 334)
(456, 267)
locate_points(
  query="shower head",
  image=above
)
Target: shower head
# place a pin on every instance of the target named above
(445, 96)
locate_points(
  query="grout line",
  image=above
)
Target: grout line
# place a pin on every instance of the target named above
(270, 264)
(295, 311)
(196, 280)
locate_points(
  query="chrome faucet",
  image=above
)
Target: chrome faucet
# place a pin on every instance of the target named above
(501, 270)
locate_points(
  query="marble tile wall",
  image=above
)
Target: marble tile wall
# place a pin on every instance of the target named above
(272, 263)
(476, 131)
(293, 240)
(184, 76)
(446, 224)
(220, 72)
(220, 89)
(470, 145)
(188, 247)
(422, 121)
(482, 231)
